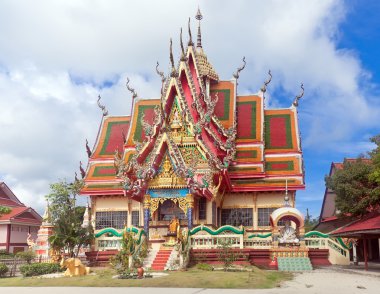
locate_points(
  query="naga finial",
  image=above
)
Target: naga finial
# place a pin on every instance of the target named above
(199, 17)
(190, 37)
(130, 89)
(236, 75)
(102, 107)
(183, 55)
(266, 83)
(174, 72)
(88, 150)
(299, 96)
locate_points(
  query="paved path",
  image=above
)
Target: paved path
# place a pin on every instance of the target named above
(331, 280)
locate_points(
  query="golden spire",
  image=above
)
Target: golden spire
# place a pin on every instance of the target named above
(199, 17)
(47, 217)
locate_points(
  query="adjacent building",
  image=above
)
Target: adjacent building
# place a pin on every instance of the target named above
(18, 223)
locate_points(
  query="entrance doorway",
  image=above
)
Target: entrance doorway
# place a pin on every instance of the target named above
(168, 209)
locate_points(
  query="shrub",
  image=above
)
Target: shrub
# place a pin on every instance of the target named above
(204, 267)
(3, 269)
(5, 254)
(37, 269)
(28, 256)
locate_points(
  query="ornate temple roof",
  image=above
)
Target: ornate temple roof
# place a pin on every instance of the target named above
(238, 143)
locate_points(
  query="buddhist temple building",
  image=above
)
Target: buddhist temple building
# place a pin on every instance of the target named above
(200, 152)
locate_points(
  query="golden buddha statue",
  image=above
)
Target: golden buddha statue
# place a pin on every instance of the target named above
(174, 225)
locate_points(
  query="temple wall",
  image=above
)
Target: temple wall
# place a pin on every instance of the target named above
(238, 200)
(3, 234)
(111, 203)
(19, 234)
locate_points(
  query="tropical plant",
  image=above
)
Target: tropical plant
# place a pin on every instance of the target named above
(4, 210)
(28, 256)
(68, 235)
(131, 255)
(3, 269)
(226, 253)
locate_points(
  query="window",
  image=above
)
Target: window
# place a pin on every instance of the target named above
(202, 208)
(110, 219)
(135, 218)
(264, 215)
(237, 217)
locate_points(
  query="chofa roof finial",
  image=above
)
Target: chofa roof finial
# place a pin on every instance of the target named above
(190, 36)
(102, 107)
(130, 89)
(183, 55)
(236, 75)
(266, 83)
(88, 150)
(174, 72)
(199, 17)
(82, 171)
(299, 96)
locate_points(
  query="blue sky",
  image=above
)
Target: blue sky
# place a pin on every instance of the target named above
(359, 32)
(57, 56)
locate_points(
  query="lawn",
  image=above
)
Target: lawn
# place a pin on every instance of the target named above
(185, 279)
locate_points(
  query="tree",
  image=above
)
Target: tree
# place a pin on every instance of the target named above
(310, 222)
(356, 191)
(68, 235)
(4, 210)
(375, 159)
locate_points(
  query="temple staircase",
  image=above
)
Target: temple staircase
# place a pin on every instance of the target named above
(161, 259)
(293, 264)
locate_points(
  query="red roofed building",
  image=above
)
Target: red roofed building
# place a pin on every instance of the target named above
(18, 223)
(202, 152)
(367, 227)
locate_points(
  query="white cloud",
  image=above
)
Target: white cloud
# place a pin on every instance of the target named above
(56, 55)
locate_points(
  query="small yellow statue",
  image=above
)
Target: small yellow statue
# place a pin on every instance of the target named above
(174, 225)
(74, 267)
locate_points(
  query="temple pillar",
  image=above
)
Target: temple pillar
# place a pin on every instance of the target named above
(146, 214)
(190, 207)
(354, 254)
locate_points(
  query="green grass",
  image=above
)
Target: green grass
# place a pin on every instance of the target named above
(181, 279)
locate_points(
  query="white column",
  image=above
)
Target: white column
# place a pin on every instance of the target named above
(354, 257)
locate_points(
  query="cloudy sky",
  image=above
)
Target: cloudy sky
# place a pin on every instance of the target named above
(57, 56)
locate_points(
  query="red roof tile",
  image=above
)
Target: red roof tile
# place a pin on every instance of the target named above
(367, 223)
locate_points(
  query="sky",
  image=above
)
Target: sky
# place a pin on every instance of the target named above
(56, 57)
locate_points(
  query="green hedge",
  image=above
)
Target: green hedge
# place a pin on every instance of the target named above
(37, 269)
(3, 269)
